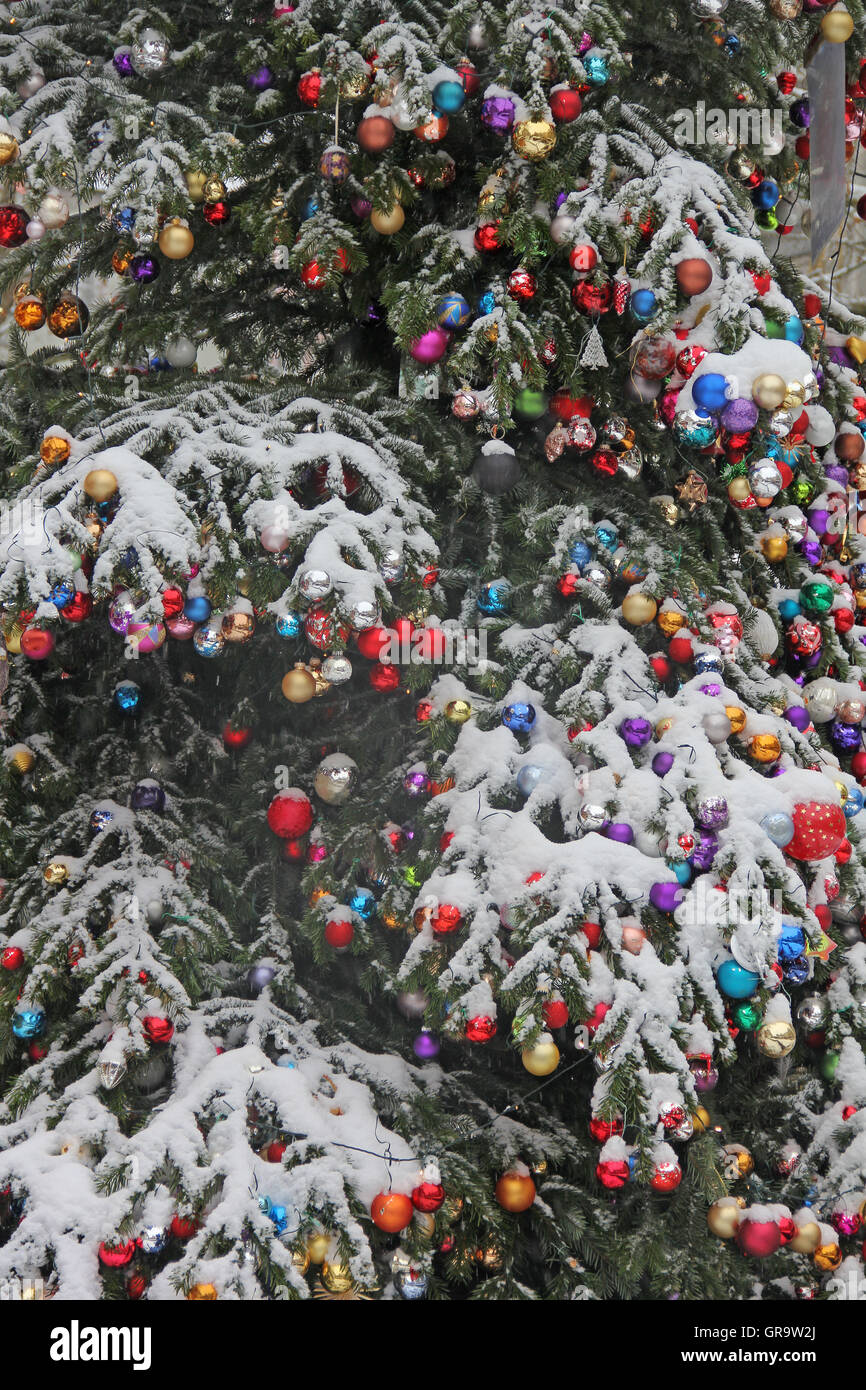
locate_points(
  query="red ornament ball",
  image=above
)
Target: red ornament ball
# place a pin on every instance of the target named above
(236, 736)
(522, 284)
(480, 1029)
(858, 764)
(290, 814)
(79, 607)
(37, 643)
(446, 919)
(309, 87)
(172, 602)
(372, 640)
(391, 1211)
(588, 298)
(602, 1130)
(157, 1029)
(136, 1285)
(13, 226)
(592, 932)
(666, 1177)
(115, 1255)
(275, 1150)
(487, 237)
(339, 933)
(428, 1196)
(566, 407)
(216, 213)
(183, 1227)
(819, 829)
(384, 677)
(12, 958)
(565, 104)
(694, 275)
(555, 1013)
(612, 1172)
(583, 257)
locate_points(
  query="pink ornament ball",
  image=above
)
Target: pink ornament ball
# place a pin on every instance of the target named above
(37, 643)
(147, 637)
(273, 539)
(758, 1238)
(430, 346)
(181, 628)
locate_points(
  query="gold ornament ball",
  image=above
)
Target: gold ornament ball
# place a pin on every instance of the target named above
(670, 621)
(22, 760)
(638, 609)
(69, 317)
(458, 711)
(534, 139)
(701, 1120)
(664, 726)
(795, 395)
(723, 1218)
(56, 873)
(12, 637)
(425, 1221)
(318, 1246)
(8, 149)
(774, 548)
(121, 259)
(515, 1191)
(100, 484)
(301, 1261)
(737, 717)
(354, 85)
(490, 1257)
(837, 27)
(195, 183)
(777, 1038)
(541, 1059)
(336, 1278)
(769, 390)
(745, 1162)
(807, 1239)
(298, 685)
(213, 189)
(202, 1293)
(765, 748)
(739, 489)
(176, 240)
(452, 1209)
(387, 223)
(827, 1257)
(29, 312)
(54, 449)
(238, 627)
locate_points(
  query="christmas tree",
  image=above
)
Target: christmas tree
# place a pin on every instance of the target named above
(431, 577)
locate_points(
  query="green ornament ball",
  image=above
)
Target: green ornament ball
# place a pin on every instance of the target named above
(816, 597)
(773, 329)
(529, 404)
(829, 1065)
(804, 490)
(748, 1015)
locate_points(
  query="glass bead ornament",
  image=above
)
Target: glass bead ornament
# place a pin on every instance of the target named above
(150, 52)
(13, 226)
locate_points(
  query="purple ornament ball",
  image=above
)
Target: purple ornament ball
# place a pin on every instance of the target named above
(836, 472)
(361, 207)
(819, 519)
(497, 113)
(798, 716)
(666, 896)
(739, 415)
(845, 738)
(811, 551)
(637, 733)
(426, 1046)
(260, 79)
(662, 763)
(619, 830)
(122, 61)
(706, 848)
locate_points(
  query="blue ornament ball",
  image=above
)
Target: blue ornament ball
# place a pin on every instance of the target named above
(197, 608)
(580, 553)
(62, 593)
(789, 609)
(453, 311)
(100, 819)
(606, 534)
(853, 803)
(487, 302)
(290, 625)
(798, 972)
(682, 870)
(127, 697)
(596, 69)
(709, 391)
(766, 195)
(778, 827)
(363, 902)
(519, 717)
(708, 663)
(529, 777)
(791, 943)
(494, 597)
(448, 97)
(28, 1023)
(735, 981)
(643, 305)
(794, 330)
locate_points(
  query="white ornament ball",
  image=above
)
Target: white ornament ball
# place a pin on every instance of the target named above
(180, 352)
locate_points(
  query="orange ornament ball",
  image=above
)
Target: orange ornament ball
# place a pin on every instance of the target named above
(694, 275)
(392, 1211)
(375, 134)
(515, 1191)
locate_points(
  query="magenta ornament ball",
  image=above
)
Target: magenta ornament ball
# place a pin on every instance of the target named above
(430, 346)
